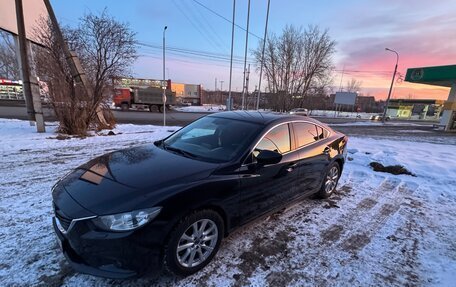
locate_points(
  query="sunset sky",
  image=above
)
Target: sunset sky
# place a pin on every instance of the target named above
(422, 32)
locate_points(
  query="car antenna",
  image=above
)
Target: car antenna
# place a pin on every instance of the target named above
(261, 115)
(247, 113)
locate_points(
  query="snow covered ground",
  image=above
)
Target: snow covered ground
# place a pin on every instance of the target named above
(377, 230)
(318, 113)
(331, 114)
(378, 123)
(201, 109)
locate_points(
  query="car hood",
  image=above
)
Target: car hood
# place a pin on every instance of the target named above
(118, 181)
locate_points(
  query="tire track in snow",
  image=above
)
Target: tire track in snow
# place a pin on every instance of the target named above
(369, 215)
(391, 202)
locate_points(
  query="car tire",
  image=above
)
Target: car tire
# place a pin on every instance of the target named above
(193, 243)
(330, 181)
(124, 107)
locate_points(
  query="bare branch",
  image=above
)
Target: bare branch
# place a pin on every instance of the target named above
(295, 64)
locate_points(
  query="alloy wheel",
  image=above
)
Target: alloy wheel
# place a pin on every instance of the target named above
(331, 179)
(197, 243)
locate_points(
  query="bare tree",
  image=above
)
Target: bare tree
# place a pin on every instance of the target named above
(8, 62)
(296, 63)
(68, 100)
(353, 85)
(106, 49)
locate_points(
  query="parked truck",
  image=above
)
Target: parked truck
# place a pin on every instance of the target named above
(143, 97)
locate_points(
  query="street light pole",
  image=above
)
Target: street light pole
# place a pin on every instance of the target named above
(164, 79)
(244, 88)
(391, 87)
(262, 56)
(228, 108)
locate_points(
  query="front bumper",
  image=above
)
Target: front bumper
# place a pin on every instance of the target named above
(110, 255)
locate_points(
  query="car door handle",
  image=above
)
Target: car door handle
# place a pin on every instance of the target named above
(291, 167)
(327, 150)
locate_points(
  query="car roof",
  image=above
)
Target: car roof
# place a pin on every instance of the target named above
(262, 118)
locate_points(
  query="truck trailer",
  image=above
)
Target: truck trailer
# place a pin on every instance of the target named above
(144, 97)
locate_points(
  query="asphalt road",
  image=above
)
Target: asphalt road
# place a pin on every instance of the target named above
(173, 118)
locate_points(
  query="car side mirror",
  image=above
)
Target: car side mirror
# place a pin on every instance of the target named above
(266, 157)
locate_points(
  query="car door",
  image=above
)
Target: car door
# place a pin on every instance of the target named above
(313, 156)
(266, 187)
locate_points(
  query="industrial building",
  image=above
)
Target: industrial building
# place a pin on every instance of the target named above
(188, 94)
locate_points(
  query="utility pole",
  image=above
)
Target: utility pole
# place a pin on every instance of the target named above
(228, 108)
(262, 56)
(164, 79)
(391, 86)
(247, 77)
(341, 78)
(245, 52)
(30, 86)
(215, 84)
(221, 85)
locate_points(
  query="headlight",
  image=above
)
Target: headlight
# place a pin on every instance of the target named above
(128, 220)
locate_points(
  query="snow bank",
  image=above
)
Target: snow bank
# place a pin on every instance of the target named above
(201, 109)
(332, 114)
(378, 123)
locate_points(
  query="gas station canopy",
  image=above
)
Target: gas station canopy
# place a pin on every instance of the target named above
(444, 76)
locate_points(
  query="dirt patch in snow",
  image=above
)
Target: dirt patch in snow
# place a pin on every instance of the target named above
(263, 249)
(393, 169)
(57, 279)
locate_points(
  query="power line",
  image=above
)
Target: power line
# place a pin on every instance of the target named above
(188, 61)
(197, 26)
(362, 71)
(204, 23)
(201, 53)
(194, 57)
(226, 19)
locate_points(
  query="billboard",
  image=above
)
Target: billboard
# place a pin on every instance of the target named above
(144, 83)
(345, 98)
(34, 10)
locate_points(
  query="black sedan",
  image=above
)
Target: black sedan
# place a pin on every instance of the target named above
(170, 203)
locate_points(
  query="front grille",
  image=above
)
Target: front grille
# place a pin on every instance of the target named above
(64, 221)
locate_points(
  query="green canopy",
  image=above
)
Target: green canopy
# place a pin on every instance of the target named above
(444, 76)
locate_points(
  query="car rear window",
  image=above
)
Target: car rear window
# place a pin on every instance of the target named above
(306, 133)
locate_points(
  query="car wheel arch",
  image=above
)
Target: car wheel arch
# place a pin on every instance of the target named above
(340, 161)
(219, 210)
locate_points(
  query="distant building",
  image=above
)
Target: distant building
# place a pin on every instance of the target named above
(220, 97)
(11, 90)
(187, 93)
(366, 104)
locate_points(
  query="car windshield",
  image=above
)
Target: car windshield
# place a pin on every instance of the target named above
(212, 139)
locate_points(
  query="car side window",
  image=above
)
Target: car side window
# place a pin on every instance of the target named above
(277, 139)
(306, 133)
(325, 133)
(320, 133)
